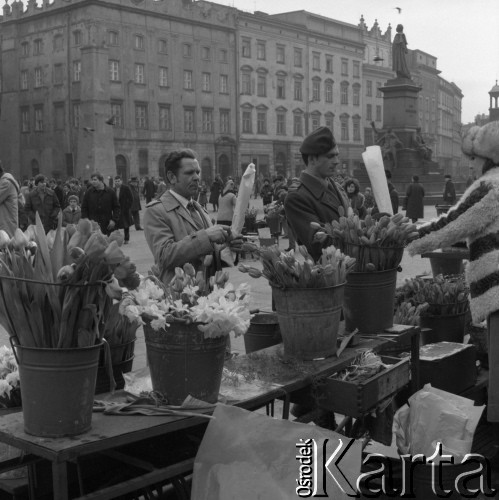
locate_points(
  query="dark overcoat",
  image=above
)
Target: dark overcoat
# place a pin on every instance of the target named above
(125, 200)
(414, 201)
(102, 206)
(310, 200)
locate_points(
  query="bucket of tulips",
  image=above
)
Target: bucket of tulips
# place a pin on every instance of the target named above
(55, 293)
(378, 247)
(308, 297)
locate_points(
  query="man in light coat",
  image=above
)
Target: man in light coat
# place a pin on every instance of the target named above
(9, 200)
(177, 229)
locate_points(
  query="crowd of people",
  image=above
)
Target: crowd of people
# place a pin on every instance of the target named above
(115, 205)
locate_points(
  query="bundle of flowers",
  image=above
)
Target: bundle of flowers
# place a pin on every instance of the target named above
(250, 214)
(443, 296)
(10, 395)
(59, 296)
(216, 306)
(284, 270)
(377, 245)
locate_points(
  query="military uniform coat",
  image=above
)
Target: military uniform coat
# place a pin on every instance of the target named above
(173, 237)
(311, 201)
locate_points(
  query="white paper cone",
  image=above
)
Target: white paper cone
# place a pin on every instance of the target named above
(376, 171)
(243, 198)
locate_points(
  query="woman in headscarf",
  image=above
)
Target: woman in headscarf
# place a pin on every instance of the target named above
(474, 219)
(352, 188)
(227, 204)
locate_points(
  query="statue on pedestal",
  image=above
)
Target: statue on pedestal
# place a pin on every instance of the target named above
(388, 142)
(420, 145)
(399, 52)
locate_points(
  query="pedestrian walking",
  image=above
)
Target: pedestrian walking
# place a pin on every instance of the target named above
(352, 189)
(149, 189)
(101, 205)
(266, 193)
(414, 205)
(449, 195)
(44, 201)
(216, 189)
(203, 195)
(125, 199)
(136, 205)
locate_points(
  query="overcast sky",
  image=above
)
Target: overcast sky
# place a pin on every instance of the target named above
(462, 34)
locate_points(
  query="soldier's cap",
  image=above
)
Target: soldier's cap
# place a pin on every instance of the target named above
(319, 142)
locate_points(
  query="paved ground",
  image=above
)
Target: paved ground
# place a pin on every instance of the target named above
(261, 294)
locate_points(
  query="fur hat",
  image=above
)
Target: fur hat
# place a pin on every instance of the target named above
(483, 141)
(319, 142)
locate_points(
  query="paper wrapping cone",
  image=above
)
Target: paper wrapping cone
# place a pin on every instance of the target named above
(376, 171)
(243, 198)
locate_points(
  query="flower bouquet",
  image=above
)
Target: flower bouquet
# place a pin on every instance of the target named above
(443, 304)
(57, 293)
(250, 219)
(186, 326)
(10, 393)
(376, 245)
(284, 270)
(54, 298)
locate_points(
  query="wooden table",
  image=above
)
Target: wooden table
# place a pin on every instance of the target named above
(111, 432)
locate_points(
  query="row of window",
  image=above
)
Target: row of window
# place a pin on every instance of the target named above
(141, 118)
(298, 123)
(189, 120)
(280, 57)
(113, 39)
(280, 89)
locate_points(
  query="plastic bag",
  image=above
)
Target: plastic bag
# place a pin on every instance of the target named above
(245, 455)
(436, 416)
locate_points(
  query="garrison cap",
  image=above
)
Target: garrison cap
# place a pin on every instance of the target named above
(319, 142)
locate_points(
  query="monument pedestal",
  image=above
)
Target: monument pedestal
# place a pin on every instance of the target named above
(400, 106)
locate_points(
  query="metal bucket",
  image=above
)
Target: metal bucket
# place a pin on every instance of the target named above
(183, 362)
(448, 328)
(309, 319)
(369, 301)
(263, 332)
(57, 387)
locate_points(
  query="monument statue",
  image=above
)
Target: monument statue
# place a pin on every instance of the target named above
(388, 142)
(420, 145)
(399, 51)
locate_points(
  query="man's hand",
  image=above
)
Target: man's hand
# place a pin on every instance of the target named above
(111, 225)
(218, 233)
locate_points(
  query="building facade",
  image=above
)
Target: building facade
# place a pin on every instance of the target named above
(114, 85)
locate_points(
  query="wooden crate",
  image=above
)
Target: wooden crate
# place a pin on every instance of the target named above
(355, 399)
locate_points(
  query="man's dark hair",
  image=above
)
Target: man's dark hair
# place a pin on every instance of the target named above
(173, 162)
(98, 175)
(416, 178)
(40, 178)
(117, 177)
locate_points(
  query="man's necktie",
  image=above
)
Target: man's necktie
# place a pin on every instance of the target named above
(196, 216)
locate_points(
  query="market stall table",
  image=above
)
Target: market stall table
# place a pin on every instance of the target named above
(111, 432)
